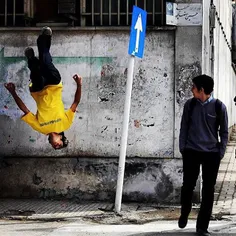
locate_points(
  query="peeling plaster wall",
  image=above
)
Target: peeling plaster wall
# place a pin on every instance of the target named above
(101, 58)
(92, 179)
(162, 84)
(188, 64)
(188, 58)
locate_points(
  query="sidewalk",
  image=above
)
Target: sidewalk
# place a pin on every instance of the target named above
(225, 190)
(93, 212)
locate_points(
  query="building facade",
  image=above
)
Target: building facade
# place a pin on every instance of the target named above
(92, 39)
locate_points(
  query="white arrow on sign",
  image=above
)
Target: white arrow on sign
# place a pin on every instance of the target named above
(138, 26)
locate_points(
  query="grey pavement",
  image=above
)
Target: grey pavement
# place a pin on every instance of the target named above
(75, 227)
(225, 191)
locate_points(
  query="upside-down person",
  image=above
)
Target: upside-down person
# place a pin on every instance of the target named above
(46, 88)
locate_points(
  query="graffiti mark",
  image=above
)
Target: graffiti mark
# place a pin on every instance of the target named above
(10, 67)
(103, 99)
(37, 180)
(107, 70)
(149, 125)
(102, 73)
(184, 82)
(108, 118)
(98, 61)
(104, 129)
(9, 140)
(136, 123)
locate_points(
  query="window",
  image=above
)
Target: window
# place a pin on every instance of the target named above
(119, 12)
(78, 12)
(12, 13)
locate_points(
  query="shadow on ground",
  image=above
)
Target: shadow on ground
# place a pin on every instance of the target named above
(181, 234)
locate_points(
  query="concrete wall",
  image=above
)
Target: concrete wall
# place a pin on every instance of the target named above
(188, 65)
(162, 84)
(101, 58)
(91, 178)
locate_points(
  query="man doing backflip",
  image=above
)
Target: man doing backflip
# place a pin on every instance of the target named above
(46, 88)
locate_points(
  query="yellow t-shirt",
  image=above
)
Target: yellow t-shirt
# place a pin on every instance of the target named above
(50, 116)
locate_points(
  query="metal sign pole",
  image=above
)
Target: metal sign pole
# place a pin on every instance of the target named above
(124, 137)
(136, 48)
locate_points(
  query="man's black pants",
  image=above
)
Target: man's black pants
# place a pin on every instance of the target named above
(210, 162)
(43, 71)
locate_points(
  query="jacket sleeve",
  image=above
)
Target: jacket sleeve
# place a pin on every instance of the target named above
(223, 132)
(184, 128)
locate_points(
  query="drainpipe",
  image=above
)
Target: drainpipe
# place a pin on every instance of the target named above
(212, 14)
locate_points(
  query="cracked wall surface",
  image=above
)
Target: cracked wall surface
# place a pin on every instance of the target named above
(152, 172)
(188, 64)
(102, 60)
(149, 180)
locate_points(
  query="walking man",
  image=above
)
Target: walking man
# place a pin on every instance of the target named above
(204, 119)
(46, 88)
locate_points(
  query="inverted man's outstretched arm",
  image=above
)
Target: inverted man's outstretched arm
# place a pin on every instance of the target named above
(11, 88)
(78, 80)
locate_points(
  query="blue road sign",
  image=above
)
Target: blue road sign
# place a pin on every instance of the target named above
(138, 31)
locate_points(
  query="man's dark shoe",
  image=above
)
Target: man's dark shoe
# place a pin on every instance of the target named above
(183, 220)
(201, 232)
(29, 53)
(44, 40)
(46, 31)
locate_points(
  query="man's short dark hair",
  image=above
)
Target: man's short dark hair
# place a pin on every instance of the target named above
(63, 139)
(205, 82)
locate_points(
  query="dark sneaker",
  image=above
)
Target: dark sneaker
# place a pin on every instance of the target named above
(182, 221)
(46, 31)
(201, 232)
(44, 43)
(44, 40)
(29, 53)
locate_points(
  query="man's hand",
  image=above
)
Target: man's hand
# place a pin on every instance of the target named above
(78, 79)
(10, 87)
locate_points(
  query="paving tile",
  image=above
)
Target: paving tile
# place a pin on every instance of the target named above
(48, 209)
(226, 182)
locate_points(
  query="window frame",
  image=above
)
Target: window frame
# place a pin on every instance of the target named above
(115, 15)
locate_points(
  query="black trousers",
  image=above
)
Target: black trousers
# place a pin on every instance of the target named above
(210, 162)
(42, 70)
